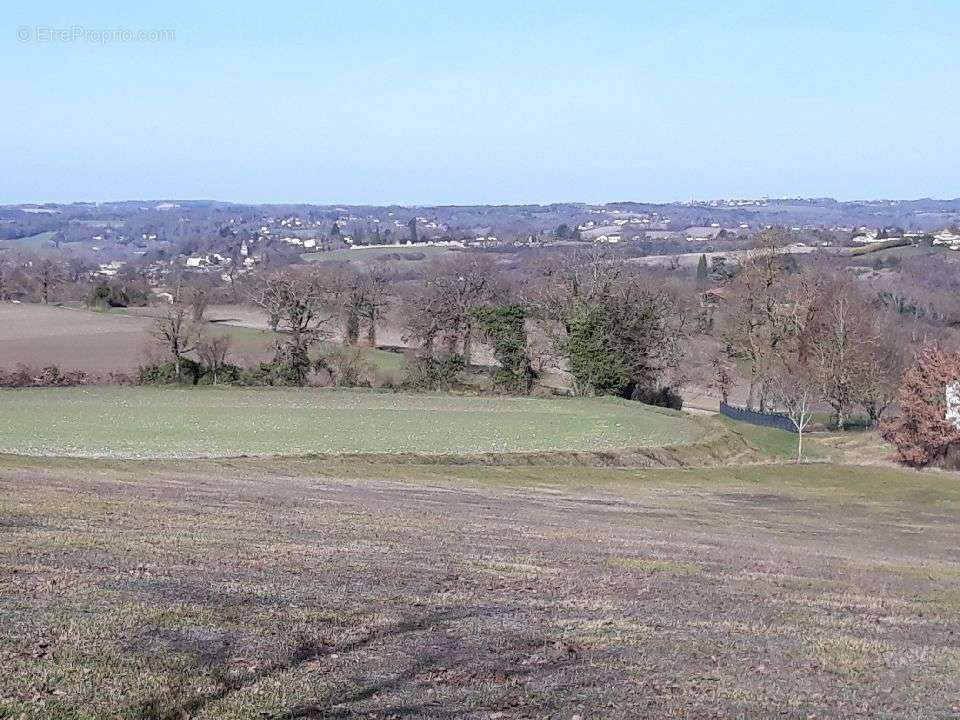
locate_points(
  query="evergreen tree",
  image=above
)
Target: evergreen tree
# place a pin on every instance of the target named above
(702, 270)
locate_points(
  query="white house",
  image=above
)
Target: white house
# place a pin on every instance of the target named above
(111, 268)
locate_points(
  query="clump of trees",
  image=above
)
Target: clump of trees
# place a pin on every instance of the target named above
(363, 300)
(618, 332)
(300, 305)
(118, 293)
(816, 328)
(303, 307)
(440, 316)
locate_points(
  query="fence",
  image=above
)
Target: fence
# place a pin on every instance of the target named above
(770, 420)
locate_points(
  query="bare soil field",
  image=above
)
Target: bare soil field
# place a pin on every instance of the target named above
(298, 589)
(76, 338)
(40, 335)
(119, 340)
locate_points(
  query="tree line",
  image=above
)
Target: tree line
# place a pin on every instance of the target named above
(595, 316)
(801, 335)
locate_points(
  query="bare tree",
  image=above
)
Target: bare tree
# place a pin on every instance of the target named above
(443, 309)
(880, 377)
(723, 379)
(349, 290)
(7, 267)
(795, 395)
(178, 329)
(233, 273)
(299, 305)
(375, 300)
(47, 273)
(213, 351)
(842, 347)
(758, 323)
(76, 268)
(199, 300)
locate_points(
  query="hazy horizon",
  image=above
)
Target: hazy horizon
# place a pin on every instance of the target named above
(482, 103)
(640, 201)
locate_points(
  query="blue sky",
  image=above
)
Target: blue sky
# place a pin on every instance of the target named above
(481, 102)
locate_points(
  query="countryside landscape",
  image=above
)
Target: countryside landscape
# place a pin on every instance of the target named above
(523, 368)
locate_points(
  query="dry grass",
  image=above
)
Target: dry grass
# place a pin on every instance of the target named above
(298, 589)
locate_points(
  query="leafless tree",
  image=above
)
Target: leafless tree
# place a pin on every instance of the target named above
(582, 277)
(199, 300)
(177, 329)
(795, 395)
(299, 304)
(7, 267)
(76, 268)
(213, 351)
(723, 379)
(758, 324)
(47, 273)
(842, 347)
(375, 300)
(349, 291)
(443, 309)
(880, 379)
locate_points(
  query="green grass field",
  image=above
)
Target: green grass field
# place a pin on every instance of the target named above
(216, 422)
(374, 255)
(32, 242)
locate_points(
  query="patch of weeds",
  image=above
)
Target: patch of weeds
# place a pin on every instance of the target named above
(652, 565)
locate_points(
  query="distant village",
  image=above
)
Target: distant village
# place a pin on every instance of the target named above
(229, 240)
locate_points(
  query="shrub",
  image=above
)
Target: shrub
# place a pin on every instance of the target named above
(666, 397)
(433, 373)
(49, 376)
(347, 367)
(98, 296)
(118, 294)
(166, 373)
(227, 374)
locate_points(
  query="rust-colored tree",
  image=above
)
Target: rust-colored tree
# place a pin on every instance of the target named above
(921, 432)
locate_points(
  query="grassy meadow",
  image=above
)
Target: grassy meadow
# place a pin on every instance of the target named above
(145, 422)
(31, 242)
(373, 255)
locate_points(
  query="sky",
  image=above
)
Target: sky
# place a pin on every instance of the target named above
(462, 102)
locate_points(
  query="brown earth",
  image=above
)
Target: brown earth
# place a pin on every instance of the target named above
(309, 589)
(75, 338)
